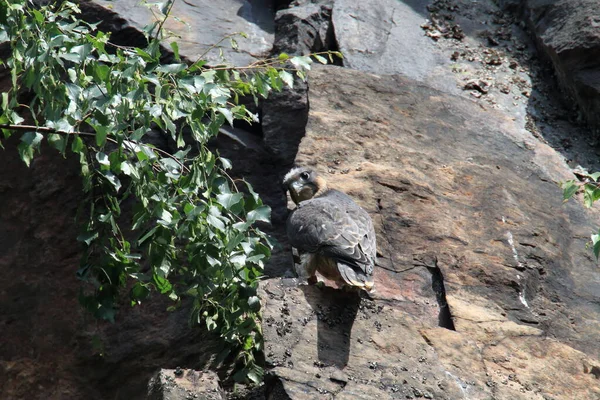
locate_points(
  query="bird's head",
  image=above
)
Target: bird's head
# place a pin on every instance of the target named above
(303, 184)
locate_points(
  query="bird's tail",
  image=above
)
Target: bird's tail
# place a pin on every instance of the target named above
(356, 278)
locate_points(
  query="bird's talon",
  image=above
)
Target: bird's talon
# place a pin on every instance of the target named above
(312, 280)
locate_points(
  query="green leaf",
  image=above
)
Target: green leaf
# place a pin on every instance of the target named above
(102, 158)
(147, 235)
(112, 179)
(25, 152)
(77, 145)
(262, 213)
(59, 142)
(283, 57)
(596, 244)
(128, 169)
(175, 48)
(171, 68)
(320, 59)
(139, 292)
(227, 114)
(226, 163)
(38, 16)
(254, 303)
(78, 53)
(101, 72)
(215, 221)
(228, 200)
(193, 211)
(101, 132)
(590, 194)
(30, 141)
(211, 325)
(4, 101)
(87, 237)
(255, 376)
(287, 78)
(164, 217)
(301, 62)
(162, 284)
(569, 189)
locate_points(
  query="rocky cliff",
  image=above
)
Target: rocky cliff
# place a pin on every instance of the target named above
(445, 124)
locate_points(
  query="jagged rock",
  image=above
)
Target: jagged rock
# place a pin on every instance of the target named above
(568, 33)
(304, 29)
(199, 25)
(184, 384)
(484, 287)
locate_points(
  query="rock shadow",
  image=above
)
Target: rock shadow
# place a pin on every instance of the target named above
(258, 12)
(336, 312)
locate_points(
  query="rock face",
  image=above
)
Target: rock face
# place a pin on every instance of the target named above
(198, 25)
(568, 32)
(51, 348)
(384, 37)
(484, 287)
(284, 121)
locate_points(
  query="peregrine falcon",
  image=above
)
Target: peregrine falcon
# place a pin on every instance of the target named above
(334, 235)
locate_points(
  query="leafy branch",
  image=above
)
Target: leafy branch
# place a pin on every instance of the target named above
(589, 185)
(187, 234)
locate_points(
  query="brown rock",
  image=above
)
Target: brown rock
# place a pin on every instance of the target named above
(483, 281)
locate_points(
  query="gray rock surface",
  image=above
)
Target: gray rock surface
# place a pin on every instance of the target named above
(484, 287)
(200, 24)
(384, 37)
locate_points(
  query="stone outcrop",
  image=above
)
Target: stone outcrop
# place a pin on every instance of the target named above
(304, 29)
(484, 287)
(198, 26)
(383, 37)
(567, 32)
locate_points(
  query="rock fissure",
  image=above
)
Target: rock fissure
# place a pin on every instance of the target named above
(445, 318)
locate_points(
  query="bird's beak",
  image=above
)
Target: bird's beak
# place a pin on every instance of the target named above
(297, 186)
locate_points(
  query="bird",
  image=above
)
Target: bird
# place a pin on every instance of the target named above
(333, 234)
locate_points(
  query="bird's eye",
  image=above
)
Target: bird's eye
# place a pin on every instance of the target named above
(305, 175)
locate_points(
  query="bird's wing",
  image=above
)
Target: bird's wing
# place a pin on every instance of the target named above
(336, 228)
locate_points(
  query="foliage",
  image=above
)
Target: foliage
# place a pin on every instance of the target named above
(590, 186)
(192, 232)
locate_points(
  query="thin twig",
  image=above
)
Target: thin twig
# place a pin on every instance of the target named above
(160, 26)
(214, 46)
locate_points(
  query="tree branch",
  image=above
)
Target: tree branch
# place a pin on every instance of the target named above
(46, 129)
